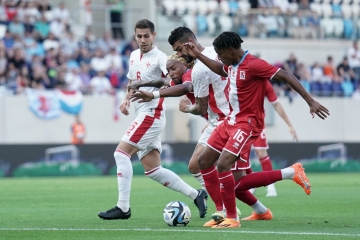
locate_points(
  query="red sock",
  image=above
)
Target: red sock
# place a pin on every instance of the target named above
(212, 184)
(227, 183)
(246, 197)
(249, 171)
(266, 163)
(258, 179)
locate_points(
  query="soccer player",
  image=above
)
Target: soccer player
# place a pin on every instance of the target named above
(260, 144)
(234, 136)
(143, 135)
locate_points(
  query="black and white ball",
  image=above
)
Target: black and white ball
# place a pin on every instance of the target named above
(177, 214)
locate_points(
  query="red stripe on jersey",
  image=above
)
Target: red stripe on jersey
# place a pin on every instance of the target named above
(159, 108)
(142, 129)
(213, 105)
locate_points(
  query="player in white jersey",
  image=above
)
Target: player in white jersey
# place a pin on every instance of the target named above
(143, 135)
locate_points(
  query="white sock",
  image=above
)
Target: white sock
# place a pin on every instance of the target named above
(200, 179)
(169, 179)
(124, 177)
(288, 173)
(271, 186)
(259, 208)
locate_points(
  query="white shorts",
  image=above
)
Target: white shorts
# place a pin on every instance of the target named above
(144, 133)
(206, 134)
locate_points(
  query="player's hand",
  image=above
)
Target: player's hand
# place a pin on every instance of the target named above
(184, 104)
(134, 85)
(192, 49)
(293, 133)
(124, 107)
(318, 109)
(142, 96)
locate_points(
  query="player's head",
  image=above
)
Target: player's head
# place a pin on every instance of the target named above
(177, 67)
(145, 35)
(178, 37)
(225, 45)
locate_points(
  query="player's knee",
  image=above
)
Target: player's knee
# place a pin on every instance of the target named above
(194, 167)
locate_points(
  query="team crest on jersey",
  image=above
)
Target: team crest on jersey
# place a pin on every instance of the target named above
(132, 62)
(242, 75)
(148, 64)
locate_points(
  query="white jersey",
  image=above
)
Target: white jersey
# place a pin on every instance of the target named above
(207, 83)
(149, 66)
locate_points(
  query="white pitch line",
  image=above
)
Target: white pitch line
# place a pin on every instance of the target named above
(180, 230)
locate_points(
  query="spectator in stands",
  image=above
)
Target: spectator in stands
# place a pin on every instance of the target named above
(356, 93)
(116, 7)
(329, 70)
(291, 65)
(28, 25)
(98, 62)
(42, 28)
(3, 64)
(73, 80)
(114, 59)
(130, 47)
(18, 60)
(282, 5)
(344, 71)
(39, 79)
(100, 84)
(69, 45)
(31, 11)
(353, 56)
(88, 42)
(317, 73)
(30, 45)
(84, 56)
(43, 6)
(304, 5)
(62, 14)
(8, 40)
(57, 27)
(11, 8)
(51, 42)
(11, 77)
(23, 79)
(3, 16)
(85, 78)
(313, 22)
(106, 42)
(16, 27)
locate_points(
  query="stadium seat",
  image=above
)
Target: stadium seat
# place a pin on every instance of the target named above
(191, 6)
(233, 5)
(315, 88)
(225, 22)
(338, 27)
(210, 19)
(348, 88)
(326, 9)
(348, 28)
(201, 24)
(202, 7)
(169, 6)
(355, 10)
(180, 7)
(293, 7)
(327, 26)
(316, 7)
(337, 89)
(336, 8)
(326, 90)
(306, 85)
(212, 5)
(346, 10)
(244, 6)
(225, 7)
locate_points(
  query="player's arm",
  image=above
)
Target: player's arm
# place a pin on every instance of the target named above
(175, 91)
(158, 83)
(213, 65)
(125, 104)
(199, 108)
(315, 107)
(280, 110)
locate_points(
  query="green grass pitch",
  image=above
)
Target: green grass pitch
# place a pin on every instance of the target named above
(66, 208)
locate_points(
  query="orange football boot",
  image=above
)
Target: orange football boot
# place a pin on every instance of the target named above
(301, 178)
(254, 216)
(228, 223)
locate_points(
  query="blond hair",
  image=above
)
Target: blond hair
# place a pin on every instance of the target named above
(175, 57)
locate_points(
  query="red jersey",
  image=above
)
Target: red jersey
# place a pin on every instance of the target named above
(270, 93)
(247, 90)
(186, 78)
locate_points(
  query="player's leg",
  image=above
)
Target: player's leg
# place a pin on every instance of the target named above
(124, 170)
(150, 159)
(266, 165)
(193, 166)
(260, 211)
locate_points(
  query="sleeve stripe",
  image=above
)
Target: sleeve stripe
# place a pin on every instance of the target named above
(273, 102)
(275, 73)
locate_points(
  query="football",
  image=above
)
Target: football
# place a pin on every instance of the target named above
(177, 214)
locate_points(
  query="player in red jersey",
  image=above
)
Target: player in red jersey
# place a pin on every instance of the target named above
(260, 144)
(233, 138)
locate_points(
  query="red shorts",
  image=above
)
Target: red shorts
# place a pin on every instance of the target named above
(236, 139)
(261, 142)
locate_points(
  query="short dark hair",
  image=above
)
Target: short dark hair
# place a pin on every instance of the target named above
(144, 23)
(227, 40)
(182, 34)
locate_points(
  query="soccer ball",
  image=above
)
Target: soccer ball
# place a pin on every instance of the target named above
(177, 214)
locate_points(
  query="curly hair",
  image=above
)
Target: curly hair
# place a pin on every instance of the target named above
(175, 57)
(227, 40)
(182, 34)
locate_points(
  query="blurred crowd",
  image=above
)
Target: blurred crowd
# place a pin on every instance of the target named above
(39, 50)
(300, 19)
(327, 78)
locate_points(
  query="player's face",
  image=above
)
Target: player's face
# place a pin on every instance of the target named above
(225, 56)
(176, 70)
(145, 39)
(181, 51)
